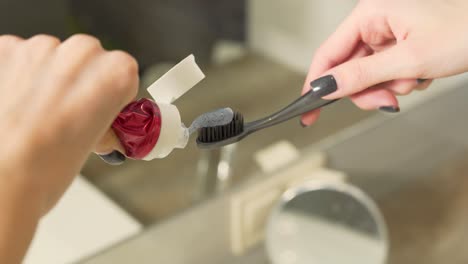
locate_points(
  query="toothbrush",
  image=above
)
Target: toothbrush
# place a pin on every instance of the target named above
(210, 137)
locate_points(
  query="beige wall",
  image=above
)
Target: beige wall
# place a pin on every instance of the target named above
(290, 31)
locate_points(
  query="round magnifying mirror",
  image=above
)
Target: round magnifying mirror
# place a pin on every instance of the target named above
(326, 223)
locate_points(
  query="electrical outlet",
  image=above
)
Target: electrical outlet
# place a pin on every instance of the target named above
(251, 206)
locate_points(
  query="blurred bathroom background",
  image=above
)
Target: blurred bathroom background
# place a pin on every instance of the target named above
(255, 54)
(237, 53)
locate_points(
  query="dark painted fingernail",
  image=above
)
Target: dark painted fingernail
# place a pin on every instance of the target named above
(420, 81)
(324, 86)
(302, 124)
(114, 158)
(390, 109)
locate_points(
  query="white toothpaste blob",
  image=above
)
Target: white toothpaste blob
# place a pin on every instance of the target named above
(215, 118)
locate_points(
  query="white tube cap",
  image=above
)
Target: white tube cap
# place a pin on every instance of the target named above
(173, 133)
(175, 83)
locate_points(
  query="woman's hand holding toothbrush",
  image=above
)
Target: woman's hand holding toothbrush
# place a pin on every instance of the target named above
(389, 48)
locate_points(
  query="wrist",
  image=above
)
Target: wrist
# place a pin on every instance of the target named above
(21, 190)
(21, 207)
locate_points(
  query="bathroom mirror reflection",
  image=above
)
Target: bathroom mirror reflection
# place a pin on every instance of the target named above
(326, 223)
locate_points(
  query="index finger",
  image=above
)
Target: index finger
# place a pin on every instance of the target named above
(335, 50)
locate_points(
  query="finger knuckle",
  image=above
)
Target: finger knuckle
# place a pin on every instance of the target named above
(360, 102)
(404, 90)
(125, 69)
(8, 40)
(85, 41)
(125, 61)
(360, 76)
(45, 41)
(365, 107)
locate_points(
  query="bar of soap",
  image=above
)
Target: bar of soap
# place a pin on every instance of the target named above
(276, 156)
(177, 81)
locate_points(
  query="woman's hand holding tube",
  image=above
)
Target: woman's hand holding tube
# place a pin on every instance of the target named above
(57, 102)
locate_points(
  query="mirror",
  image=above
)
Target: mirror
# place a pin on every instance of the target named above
(326, 223)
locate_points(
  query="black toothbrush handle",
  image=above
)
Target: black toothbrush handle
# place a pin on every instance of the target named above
(310, 101)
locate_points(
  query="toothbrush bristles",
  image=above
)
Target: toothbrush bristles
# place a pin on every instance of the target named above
(220, 133)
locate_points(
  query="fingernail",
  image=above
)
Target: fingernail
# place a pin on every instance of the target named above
(420, 81)
(114, 158)
(390, 109)
(302, 124)
(324, 86)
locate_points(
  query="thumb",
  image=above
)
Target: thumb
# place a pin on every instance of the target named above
(108, 143)
(109, 149)
(359, 74)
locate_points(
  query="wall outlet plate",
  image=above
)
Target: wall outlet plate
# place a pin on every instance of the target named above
(250, 207)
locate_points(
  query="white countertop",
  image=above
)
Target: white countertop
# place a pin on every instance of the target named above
(83, 223)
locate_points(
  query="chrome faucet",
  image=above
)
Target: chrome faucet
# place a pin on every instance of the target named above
(214, 171)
